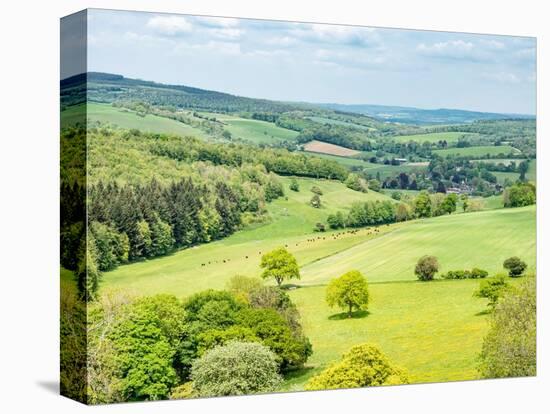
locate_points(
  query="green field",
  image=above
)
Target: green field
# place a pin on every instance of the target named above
(433, 330)
(347, 161)
(259, 132)
(433, 137)
(459, 241)
(392, 170)
(478, 151)
(291, 223)
(124, 118)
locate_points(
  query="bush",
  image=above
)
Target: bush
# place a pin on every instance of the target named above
(292, 349)
(510, 347)
(350, 291)
(426, 268)
(519, 195)
(515, 266)
(320, 227)
(316, 190)
(475, 273)
(238, 368)
(336, 221)
(363, 366)
(492, 289)
(315, 201)
(294, 186)
(241, 286)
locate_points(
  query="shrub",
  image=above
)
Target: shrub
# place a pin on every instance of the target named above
(320, 227)
(363, 366)
(238, 368)
(292, 349)
(475, 273)
(183, 391)
(294, 186)
(315, 201)
(316, 190)
(336, 221)
(349, 291)
(515, 266)
(492, 289)
(426, 268)
(241, 286)
(519, 195)
(509, 348)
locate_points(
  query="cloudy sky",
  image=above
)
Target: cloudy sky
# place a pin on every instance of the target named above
(317, 62)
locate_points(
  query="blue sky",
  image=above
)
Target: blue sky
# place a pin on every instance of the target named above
(318, 62)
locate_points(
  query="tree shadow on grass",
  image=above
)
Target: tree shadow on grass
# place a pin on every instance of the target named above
(298, 373)
(484, 312)
(344, 315)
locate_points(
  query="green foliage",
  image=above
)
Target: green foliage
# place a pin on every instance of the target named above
(448, 205)
(509, 348)
(242, 286)
(336, 221)
(423, 205)
(183, 391)
(294, 186)
(87, 273)
(280, 265)
(349, 292)
(133, 347)
(356, 183)
(403, 212)
(475, 273)
(519, 195)
(112, 247)
(315, 201)
(371, 213)
(238, 368)
(292, 349)
(73, 378)
(426, 268)
(515, 266)
(492, 289)
(316, 190)
(363, 366)
(374, 185)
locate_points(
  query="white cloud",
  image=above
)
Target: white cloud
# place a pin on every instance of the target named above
(454, 49)
(226, 33)
(170, 25)
(351, 59)
(504, 77)
(348, 35)
(493, 44)
(220, 22)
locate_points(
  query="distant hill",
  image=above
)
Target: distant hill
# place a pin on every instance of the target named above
(417, 116)
(108, 88)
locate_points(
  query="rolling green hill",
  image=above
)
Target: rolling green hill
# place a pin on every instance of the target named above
(124, 118)
(459, 241)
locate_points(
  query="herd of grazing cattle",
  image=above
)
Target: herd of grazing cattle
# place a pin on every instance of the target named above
(335, 236)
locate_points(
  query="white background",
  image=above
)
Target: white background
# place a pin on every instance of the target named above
(29, 65)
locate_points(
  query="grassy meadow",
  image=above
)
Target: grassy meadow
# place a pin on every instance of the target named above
(432, 137)
(125, 118)
(252, 130)
(433, 329)
(478, 151)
